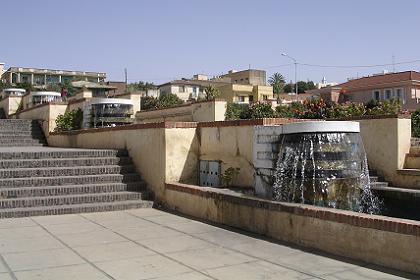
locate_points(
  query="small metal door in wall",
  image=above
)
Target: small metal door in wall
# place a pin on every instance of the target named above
(209, 173)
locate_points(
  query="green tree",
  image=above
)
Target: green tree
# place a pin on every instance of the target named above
(211, 92)
(149, 102)
(289, 88)
(140, 86)
(277, 81)
(168, 100)
(310, 85)
(302, 86)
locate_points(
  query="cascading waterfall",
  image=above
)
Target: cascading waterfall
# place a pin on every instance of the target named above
(326, 169)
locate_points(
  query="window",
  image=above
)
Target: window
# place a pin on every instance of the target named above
(181, 88)
(387, 94)
(399, 94)
(241, 98)
(265, 97)
(377, 95)
(251, 98)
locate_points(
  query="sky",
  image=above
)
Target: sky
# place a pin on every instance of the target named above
(159, 40)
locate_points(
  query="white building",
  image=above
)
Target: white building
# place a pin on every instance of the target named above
(324, 83)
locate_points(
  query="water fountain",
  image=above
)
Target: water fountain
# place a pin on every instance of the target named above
(324, 164)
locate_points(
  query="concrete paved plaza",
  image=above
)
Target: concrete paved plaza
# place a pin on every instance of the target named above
(152, 244)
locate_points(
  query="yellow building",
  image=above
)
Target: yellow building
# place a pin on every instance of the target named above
(239, 87)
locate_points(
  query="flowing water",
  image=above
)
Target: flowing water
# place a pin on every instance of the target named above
(324, 169)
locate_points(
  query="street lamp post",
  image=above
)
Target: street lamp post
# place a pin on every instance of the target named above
(296, 82)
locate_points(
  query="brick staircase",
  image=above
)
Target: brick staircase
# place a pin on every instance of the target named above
(412, 159)
(20, 133)
(377, 181)
(36, 180)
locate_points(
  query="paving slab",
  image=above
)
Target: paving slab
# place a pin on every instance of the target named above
(148, 233)
(101, 236)
(3, 269)
(143, 268)
(59, 219)
(210, 258)
(175, 244)
(113, 251)
(224, 237)
(12, 245)
(17, 222)
(5, 276)
(82, 271)
(41, 259)
(74, 228)
(254, 270)
(193, 227)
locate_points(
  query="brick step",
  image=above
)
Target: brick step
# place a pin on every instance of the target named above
(4, 138)
(70, 189)
(71, 199)
(378, 184)
(75, 153)
(75, 208)
(15, 127)
(65, 171)
(69, 180)
(24, 144)
(23, 140)
(64, 162)
(412, 161)
(15, 132)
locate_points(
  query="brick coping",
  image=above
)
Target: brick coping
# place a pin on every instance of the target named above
(174, 124)
(129, 127)
(383, 223)
(181, 105)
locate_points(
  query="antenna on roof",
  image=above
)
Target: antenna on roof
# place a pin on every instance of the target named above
(393, 62)
(249, 66)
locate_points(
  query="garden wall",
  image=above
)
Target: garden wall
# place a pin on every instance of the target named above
(204, 111)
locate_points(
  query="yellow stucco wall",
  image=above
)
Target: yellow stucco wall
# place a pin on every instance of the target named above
(232, 146)
(387, 141)
(159, 154)
(195, 112)
(47, 113)
(10, 104)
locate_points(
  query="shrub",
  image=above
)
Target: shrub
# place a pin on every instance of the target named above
(314, 109)
(167, 100)
(346, 110)
(387, 107)
(284, 111)
(71, 120)
(235, 111)
(415, 123)
(148, 102)
(261, 110)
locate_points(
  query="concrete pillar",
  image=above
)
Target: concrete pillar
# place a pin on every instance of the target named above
(32, 79)
(18, 79)
(59, 78)
(45, 79)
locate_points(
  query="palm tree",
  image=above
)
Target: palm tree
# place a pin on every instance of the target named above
(277, 81)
